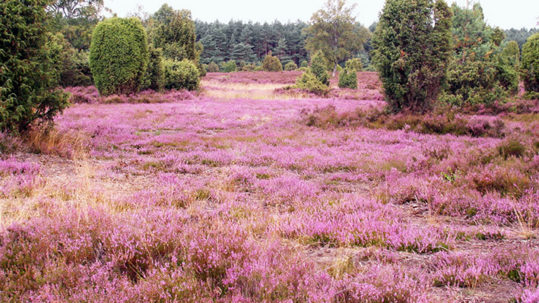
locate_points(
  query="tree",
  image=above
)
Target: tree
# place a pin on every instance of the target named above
(272, 64)
(74, 9)
(530, 65)
(221, 41)
(119, 56)
(281, 50)
(242, 52)
(319, 67)
(520, 35)
(411, 51)
(28, 66)
(478, 71)
(174, 32)
(333, 30)
(511, 53)
(76, 19)
(155, 73)
(354, 64)
(348, 78)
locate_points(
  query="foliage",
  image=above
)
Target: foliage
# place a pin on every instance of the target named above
(76, 20)
(479, 72)
(272, 63)
(319, 67)
(479, 82)
(348, 78)
(74, 69)
(354, 64)
(74, 9)
(309, 82)
(290, 66)
(155, 73)
(181, 75)
(304, 63)
(520, 35)
(174, 32)
(411, 51)
(242, 52)
(119, 56)
(213, 67)
(250, 42)
(334, 31)
(249, 67)
(229, 66)
(530, 65)
(511, 55)
(29, 65)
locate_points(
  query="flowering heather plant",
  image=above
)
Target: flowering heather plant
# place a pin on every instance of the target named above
(222, 198)
(18, 178)
(90, 94)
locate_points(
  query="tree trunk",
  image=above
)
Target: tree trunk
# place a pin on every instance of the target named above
(334, 70)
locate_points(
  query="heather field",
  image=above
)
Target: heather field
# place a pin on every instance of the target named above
(251, 191)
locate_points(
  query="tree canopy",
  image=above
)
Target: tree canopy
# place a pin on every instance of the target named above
(334, 31)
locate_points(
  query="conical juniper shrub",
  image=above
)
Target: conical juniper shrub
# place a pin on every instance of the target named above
(530, 66)
(29, 71)
(348, 78)
(411, 52)
(119, 56)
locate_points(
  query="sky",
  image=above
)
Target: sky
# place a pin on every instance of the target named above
(503, 13)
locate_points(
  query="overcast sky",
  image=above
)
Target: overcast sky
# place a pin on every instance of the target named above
(503, 13)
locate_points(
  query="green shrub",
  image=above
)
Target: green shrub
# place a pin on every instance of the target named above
(80, 73)
(119, 56)
(348, 78)
(74, 68)
(28, 67)
(530, 65)
(319, 67)
(155, 73)
(290, 66)
(304, 63)
(511, 54)
(181, 75)
(213, 67)
(479, 82)
(174, 32)
(481, 71)
(229, 66)
(412, 46)
(201, 69)
(354, 64)
(249, 67)
(511, 147)
(309, 82)
(272, 64)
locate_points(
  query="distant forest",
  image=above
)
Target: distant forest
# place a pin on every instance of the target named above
(250, 42)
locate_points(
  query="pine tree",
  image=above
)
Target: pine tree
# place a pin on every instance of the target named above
(281, 50)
